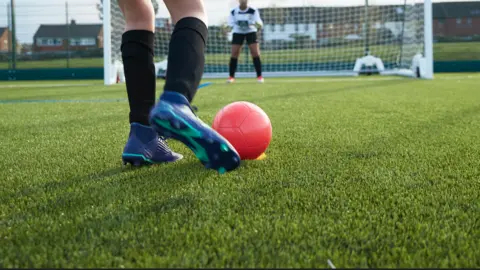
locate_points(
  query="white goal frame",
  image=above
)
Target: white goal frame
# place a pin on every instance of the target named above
(421, 65)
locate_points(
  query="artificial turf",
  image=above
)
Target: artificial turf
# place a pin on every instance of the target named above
(365, 172)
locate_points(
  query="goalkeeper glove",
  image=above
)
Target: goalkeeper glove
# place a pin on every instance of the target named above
(256, 24)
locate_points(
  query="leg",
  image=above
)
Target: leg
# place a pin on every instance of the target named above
(137, 56)
(237, 42)
(236, 49)
(180, 9)
(173, 116)
(255, 52)
(187, 45)
(143, 146)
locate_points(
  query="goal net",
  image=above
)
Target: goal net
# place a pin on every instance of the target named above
(314, 38)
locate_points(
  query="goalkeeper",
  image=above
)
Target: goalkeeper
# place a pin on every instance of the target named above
(245, 21)
(172, 116)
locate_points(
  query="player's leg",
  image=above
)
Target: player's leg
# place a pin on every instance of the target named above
(173, 116)
(143, 145)
(237, 42)
(255, 52)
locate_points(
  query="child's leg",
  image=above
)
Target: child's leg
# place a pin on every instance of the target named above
(143, 145)
(137, 55)
(186, 58)
(257, 63)
(236, 48)
(173, 115)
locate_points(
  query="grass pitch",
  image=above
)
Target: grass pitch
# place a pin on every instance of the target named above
(365, 172)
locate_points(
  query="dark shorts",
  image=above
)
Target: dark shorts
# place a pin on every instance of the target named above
(238, 39)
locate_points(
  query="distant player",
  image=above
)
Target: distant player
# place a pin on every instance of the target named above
(245, 21)
(172, 116)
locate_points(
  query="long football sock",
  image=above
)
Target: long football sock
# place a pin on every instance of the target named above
(137, 55)
(258, 66)
(186, 58)
(233, 66)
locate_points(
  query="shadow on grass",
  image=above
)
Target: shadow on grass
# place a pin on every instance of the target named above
(54, 186)
(113, 185)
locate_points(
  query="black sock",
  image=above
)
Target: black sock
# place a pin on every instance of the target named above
(233, 66)
(186, 57)
(258, 65)
(137, 56)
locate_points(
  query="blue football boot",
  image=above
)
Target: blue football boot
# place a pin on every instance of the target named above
(173, 117)
(144, 147)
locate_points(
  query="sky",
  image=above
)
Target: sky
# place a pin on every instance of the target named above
(31, 13)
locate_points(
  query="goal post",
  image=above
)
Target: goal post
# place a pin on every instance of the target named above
(108, 72)
(428, 35)
(350, 38)
(113, 28)
(416, 50)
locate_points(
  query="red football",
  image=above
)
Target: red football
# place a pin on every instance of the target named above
(246, 126)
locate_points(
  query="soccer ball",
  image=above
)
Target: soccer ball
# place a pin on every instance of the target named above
(246, 126)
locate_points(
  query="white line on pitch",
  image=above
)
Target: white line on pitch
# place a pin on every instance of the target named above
(346, 79)
(45, 85)
(331, 264)
(279, 80)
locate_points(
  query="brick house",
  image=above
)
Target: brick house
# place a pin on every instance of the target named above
(51, 38)
(4, 39)
(458, 19)
(450, 19)
(320, 22)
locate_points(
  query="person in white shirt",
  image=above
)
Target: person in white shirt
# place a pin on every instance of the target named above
(245, 21)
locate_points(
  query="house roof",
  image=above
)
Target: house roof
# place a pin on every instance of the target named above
(456, 10)
(75, 31)
(2, 29)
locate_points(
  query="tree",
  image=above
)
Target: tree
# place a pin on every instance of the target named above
(100, 7)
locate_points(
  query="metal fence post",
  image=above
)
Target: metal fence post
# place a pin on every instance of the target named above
(14, 35)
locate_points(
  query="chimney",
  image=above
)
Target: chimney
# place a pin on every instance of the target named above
(73, 22)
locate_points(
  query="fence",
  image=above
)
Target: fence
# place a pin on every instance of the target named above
(68, 35)
(49, 35)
